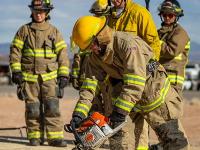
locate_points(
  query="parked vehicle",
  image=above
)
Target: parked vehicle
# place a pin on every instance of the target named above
(192, 81)
(4, 73)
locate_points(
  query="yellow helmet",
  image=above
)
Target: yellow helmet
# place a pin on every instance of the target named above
(100, 7)
(86, 28)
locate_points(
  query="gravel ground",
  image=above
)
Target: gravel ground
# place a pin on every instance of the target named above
(12, 116)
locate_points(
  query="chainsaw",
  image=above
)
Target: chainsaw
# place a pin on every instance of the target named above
(93, 131)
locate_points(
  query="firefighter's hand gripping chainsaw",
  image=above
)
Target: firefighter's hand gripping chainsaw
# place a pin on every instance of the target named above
(93, 131)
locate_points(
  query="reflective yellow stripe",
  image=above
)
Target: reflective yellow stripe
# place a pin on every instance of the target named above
(29, 77)
(124, 104)
(18, 43)
(49, 76)
(89, 84)
(157, 102)
(87, 53)
(179, 57)
(16, 67)
(114, 99)
(142, 148)
(60, 45)
(134, 79)
(34, 134)
(39, 53)
(55, 135)
(176, 79)
(75, 72)
(45, 76)
(63, 70)
(83, 108)
(187, 46)
(106, 80)
(161, 42)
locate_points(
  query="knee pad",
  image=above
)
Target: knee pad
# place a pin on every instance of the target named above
(33, 110)
(51, 108)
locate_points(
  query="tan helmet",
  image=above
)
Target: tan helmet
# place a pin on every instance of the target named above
(86, 29)
(100, 7)
(41, 5)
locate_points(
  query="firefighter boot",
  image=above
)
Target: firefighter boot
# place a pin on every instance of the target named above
(57, 143)
(34, 142)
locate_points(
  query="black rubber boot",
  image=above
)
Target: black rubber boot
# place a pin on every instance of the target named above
(57, 143)
(34, 142)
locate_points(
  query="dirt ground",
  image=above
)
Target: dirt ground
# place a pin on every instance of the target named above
(12, 116)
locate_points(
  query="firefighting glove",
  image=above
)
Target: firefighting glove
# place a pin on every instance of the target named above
(117, 118)
(17, 78)
(75, 83)
(63, 82)
(76, 121)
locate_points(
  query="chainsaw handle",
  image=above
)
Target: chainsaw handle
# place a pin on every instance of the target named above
(72, 129)
(68, 128)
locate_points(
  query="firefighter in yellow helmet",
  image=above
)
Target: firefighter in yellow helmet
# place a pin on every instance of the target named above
(145, 88)
(40, 67)
(175, 45)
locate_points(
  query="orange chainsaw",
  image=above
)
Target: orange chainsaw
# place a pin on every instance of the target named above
(93, 131)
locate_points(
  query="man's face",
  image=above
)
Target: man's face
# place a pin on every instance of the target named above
(118, 3)
(39, 15)
(169, 18)
(94, 47)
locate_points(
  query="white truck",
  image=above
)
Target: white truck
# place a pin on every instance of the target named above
(192, 79)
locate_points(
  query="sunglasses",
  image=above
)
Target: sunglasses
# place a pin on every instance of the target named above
(168, 15)
(38, 11)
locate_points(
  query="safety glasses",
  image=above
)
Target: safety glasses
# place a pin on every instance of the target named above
(168, 15)
(39, 11)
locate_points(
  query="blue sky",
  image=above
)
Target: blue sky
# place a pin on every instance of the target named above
(15, 13)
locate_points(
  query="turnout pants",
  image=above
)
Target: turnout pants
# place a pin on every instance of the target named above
(164, 120)
(38, 94)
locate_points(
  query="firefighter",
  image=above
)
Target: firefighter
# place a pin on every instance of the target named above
(145, 87)
(131, 17)
(175, 45)
(101, 8)
(100, 102)
(39, 61)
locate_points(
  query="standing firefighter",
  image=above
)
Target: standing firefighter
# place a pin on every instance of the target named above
(144, 88)
(39, 61)
(131, 17)
(175, 43)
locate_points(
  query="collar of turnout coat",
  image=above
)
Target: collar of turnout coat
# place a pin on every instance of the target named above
(40, 26)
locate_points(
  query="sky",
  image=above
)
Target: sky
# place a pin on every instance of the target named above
(15, 13)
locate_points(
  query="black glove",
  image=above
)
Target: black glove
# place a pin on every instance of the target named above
(76, 120)
(117, 118)
(63, 82)
(17, 78)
